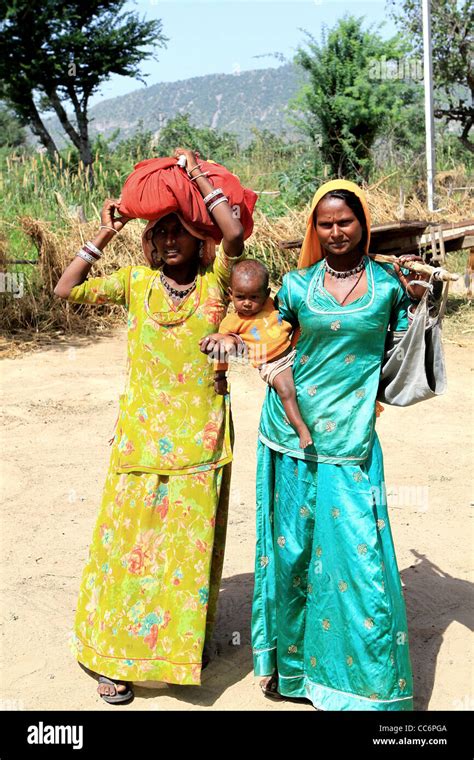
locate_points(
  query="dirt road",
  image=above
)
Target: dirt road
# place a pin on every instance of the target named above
(60, 408)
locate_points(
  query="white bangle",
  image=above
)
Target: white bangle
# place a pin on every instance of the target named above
(93, 248)
(86, 256)
(105, 227)
(217, 191)
(216, 203)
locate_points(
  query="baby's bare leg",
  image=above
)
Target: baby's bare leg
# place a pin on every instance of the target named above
(285, 387)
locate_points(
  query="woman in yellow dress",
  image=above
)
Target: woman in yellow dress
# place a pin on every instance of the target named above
(149, 590)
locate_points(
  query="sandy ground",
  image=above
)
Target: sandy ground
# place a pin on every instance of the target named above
(59, 412)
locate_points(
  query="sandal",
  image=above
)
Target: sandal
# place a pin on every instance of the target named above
(120, 696)
(269, 687)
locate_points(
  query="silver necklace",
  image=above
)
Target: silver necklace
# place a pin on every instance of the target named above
(349, 273)
(177, 293)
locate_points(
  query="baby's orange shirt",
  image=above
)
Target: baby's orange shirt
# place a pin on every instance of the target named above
(266, 334)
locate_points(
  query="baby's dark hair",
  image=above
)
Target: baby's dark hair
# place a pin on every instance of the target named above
(251, 268)
(351, 200)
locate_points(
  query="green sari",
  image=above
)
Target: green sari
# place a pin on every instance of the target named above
(328, 611)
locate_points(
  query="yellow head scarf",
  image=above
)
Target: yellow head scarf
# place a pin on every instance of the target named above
(311, 249)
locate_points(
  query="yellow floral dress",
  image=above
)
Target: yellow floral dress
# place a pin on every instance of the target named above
(149, 590)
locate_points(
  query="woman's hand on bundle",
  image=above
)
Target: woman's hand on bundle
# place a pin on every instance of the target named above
(107, 215)
(191, 157)
(222, 214)
(408, 281)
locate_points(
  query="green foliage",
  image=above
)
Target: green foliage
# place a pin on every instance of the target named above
(269, 163)
(12, 134)
(451, 152)
(136, 148)
(452, 22)
(351, 99)
(179, 132)
(299, 181)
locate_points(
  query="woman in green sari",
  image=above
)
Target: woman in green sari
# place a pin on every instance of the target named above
(329, 619)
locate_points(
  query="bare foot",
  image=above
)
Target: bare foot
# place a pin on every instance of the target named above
(305, 438)
(269, 687)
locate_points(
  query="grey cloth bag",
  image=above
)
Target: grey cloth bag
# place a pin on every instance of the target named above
(413, 369)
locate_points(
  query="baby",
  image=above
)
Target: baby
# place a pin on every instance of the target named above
(258, 330)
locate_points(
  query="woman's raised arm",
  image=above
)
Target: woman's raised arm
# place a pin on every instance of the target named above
(229, 225)
(77, 271)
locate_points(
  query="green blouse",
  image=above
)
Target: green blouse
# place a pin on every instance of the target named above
(337, 364)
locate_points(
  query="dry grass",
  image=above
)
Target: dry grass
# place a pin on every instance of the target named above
(40, 316)
(458, 326)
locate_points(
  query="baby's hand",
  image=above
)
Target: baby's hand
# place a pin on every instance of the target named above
(208, 343)
(218, 345)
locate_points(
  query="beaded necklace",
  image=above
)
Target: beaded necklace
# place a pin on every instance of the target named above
(177, 293)
(349, 273)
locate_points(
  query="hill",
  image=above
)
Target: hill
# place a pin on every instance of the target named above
(226, 102)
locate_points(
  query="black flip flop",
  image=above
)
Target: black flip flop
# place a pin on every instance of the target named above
(121, 696)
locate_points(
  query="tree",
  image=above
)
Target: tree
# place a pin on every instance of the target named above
(452, 22)
(57, 53)
(355, 90)
(12, 134)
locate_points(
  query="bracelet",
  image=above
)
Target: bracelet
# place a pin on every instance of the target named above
(196, 166)
(105, 227)
(203, 174)
(216, 203)
(217, 191)
(87, 250)
(93, 248)
(86, 256)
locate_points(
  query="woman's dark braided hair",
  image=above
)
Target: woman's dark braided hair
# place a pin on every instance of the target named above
(351, 200)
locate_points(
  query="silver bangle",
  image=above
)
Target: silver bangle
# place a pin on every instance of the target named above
(105, 227)
(196, 166)
(213, 194)
(86, 256)
(94, 248)
(216, 203)
(203, 174)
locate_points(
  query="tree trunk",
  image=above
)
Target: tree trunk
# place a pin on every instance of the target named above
(38, 129)
(87, 160)
(80, 138)
(464, 136)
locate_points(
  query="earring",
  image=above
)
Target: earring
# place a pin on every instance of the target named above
(156, 258)
(201, 249)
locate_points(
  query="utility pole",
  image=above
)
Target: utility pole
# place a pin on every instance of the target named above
(429, 112)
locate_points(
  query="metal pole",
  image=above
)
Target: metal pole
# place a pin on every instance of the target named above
(429, 112)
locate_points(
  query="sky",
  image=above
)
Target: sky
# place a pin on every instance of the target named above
(228, 36)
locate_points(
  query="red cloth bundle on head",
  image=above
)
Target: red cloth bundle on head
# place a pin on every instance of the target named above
(158, 186)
